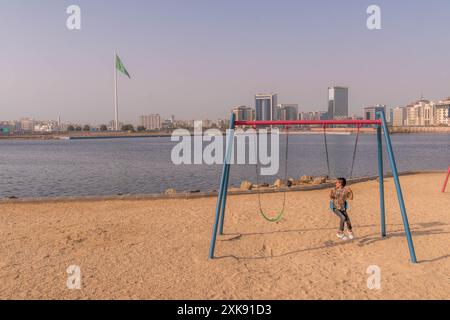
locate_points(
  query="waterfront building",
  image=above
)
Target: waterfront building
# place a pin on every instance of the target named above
(243, 113)
(150, 122)
(420, 113)
(27, 124)
(370, 113)
(337, 103)
(266, 106)
(399, 116)
(442, 113)
(287, 112)
(313, 115)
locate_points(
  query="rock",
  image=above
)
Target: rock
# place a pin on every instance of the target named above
(170, 191)
(278, 183)
(291, 182)
(246, 185)
(306, 179)
(319, 180)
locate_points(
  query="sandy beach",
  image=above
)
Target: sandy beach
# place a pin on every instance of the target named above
(158, 249)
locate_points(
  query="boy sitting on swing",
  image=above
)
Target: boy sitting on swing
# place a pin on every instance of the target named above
(339, 197)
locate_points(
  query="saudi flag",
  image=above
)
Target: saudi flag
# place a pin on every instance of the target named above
(121, 67)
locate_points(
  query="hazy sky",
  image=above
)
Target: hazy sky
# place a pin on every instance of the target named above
(198, 58)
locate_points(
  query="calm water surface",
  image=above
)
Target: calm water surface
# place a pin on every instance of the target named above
(143, 165)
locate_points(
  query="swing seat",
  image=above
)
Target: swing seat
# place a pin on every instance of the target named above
(332, 206)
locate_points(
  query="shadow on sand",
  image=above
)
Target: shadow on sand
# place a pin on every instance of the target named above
(417, 230)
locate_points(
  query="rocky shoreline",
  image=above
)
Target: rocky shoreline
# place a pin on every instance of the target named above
(306, 184)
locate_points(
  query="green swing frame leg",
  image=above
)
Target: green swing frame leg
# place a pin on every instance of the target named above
(223, 191)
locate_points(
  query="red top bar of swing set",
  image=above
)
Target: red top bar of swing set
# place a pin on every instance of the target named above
(307, 122)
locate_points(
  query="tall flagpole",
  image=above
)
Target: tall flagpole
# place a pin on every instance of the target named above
(116, 99)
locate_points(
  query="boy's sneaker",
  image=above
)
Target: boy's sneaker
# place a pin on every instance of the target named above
(350, 235)
(341, 236)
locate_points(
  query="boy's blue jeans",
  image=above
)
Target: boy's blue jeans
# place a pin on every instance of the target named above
(345, 219)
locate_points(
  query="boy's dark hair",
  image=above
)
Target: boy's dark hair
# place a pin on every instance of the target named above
(343, 181)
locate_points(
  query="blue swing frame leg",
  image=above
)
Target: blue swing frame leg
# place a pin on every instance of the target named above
(221, 200)
(398, 187)
(224, 200)
(381, 181)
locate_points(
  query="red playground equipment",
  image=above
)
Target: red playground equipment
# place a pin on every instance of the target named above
(446, 181)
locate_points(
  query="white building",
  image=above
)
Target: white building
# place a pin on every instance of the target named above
(442, 113)
(150, 122)
(399, 116)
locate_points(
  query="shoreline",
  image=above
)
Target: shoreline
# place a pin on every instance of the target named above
(125, 135)
(203, 194)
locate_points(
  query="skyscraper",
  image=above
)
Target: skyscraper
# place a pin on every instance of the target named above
(266, 106)
(337, 103)
(243, 113)
(370, 113)
(288, 112)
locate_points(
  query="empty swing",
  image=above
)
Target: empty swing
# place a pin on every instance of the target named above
(277, 217)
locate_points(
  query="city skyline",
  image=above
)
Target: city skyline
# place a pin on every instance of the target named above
(186, 58)
(419, 113)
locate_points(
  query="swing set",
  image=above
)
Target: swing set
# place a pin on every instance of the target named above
(381, 126)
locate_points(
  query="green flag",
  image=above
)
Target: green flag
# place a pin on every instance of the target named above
(121, 67)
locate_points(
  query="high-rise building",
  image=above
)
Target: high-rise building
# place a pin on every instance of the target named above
(428, 114)
(287, 112)
(27, 124)
(150, 122)
(442, 113)
(399, 116)
(413, 115)
(312, 115)
(370, 113)
(337, 103)
(243, 113)
(266, 106)
(419, 113)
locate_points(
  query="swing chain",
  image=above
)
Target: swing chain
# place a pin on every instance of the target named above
(326, 149)
(354, 150)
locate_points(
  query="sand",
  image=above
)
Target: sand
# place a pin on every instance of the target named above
(158, 249)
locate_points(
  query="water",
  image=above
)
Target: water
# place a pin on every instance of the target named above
(143, 165)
